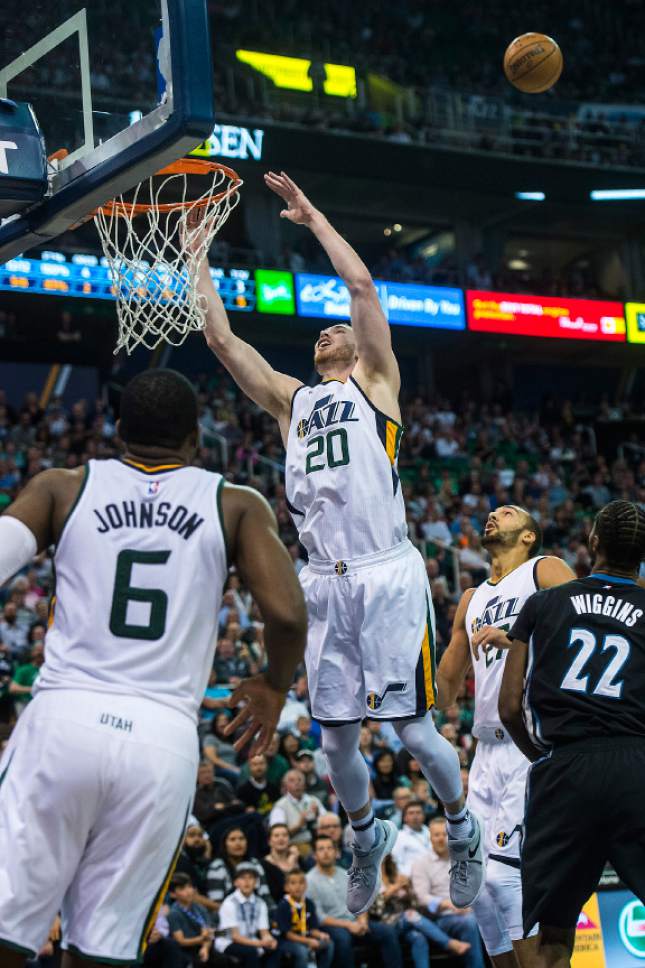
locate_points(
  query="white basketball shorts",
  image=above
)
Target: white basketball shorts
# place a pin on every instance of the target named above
(95, 791)
(371, 644)
(496, 790)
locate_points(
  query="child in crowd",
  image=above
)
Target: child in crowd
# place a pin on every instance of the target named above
(188, 923)
(244, 923)
(300, 933)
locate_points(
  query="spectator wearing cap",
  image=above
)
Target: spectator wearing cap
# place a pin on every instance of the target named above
(300, 933)
(234, 850)
(298, 810)
(313, 784)
(257, 793)
(244, 923)
(414, 838)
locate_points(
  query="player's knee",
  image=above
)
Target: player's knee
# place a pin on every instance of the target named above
(504, 884)
(492, 928)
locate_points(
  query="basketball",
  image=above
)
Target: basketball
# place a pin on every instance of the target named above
(533, 63)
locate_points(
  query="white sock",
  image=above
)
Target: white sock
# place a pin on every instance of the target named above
(460, 825)
(364, 831)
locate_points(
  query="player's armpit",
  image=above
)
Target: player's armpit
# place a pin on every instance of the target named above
(510, 700)
(552, 571)
(456, 660)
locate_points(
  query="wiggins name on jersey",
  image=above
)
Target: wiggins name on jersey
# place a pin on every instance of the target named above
(342, 482)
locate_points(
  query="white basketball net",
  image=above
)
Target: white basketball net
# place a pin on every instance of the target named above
(154, 254)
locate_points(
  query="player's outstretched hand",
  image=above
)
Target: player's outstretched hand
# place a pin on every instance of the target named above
(261, 707)
(299, 209)
(489, 637)
(194, 230)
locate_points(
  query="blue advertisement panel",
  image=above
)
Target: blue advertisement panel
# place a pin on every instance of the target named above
(327, 297)
(623, 929)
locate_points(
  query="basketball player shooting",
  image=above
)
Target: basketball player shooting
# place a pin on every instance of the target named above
(370, 650)
(497, 780)
(98, 778)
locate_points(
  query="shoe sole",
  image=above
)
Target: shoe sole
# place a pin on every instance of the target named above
(482, 832)
(391, 833)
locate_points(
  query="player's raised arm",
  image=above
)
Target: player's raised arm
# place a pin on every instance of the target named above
(267, 570)
(371, 328)
(267, 387)
(456, 660)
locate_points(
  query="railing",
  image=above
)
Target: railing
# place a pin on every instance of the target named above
(564, 132)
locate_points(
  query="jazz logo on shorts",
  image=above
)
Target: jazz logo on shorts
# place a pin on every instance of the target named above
(374, 701)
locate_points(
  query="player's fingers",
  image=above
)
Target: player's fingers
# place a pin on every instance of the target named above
(237, 721)
(292, 185)
(246, 736)
(262, 741)
(236, 697)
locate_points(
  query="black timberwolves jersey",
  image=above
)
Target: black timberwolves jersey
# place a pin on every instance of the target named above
(586, 665)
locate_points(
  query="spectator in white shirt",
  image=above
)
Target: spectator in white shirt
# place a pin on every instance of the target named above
(414, 838)
(430, 875)
(245, 919)
(300, 811)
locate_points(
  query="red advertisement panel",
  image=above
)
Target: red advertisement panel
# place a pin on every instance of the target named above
(502, 312)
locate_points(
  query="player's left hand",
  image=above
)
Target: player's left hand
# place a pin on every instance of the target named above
(261, 706)
(299, 209)
(489, 637)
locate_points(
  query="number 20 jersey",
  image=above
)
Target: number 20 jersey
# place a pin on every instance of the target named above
(140, 567)
(342, 483)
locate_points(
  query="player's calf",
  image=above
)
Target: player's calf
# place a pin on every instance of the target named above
(554, 947)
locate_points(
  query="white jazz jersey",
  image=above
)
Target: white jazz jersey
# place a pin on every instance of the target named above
(342, 483)
(496, 604)
(140, 568)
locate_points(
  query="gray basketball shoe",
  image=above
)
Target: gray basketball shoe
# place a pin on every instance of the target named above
(364, 876)
(467, 866)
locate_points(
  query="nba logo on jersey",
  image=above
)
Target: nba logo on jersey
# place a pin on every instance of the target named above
(152, 490)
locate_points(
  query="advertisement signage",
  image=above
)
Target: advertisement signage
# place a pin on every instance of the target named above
(550, 316)
(327, 297)
(274, 292)
(635, 316)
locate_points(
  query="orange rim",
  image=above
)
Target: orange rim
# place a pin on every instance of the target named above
(183, 166)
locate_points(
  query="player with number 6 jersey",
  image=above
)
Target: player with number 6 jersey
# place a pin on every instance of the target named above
(371, 641)
(98, 778)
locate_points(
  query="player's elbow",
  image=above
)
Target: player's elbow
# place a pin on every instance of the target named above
(360, 284)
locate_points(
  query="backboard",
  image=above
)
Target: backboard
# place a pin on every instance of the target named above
(120, 88)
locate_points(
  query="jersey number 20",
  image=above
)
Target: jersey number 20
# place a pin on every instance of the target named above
(335, 445)
(608, 685)
(125, 592)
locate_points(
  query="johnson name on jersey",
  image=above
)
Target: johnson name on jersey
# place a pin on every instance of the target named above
(342, 482)
(140, 568)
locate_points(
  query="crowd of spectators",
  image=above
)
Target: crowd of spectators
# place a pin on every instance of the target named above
(262, 871)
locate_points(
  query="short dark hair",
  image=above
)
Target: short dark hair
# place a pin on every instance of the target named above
(294, 873)
(408, 806)
(158, 409)
(620, 527)
(320, 837)
(180, 880)
(531, 524)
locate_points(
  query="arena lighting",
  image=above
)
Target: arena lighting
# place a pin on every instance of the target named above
(616, 194)
(293, 73)
(530, 196)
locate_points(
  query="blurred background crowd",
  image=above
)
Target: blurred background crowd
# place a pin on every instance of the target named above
(459, 460)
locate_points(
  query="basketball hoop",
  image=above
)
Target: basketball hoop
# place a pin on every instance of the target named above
(154, 252)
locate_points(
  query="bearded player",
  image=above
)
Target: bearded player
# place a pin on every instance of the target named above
(498, 776)
(370, 650)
